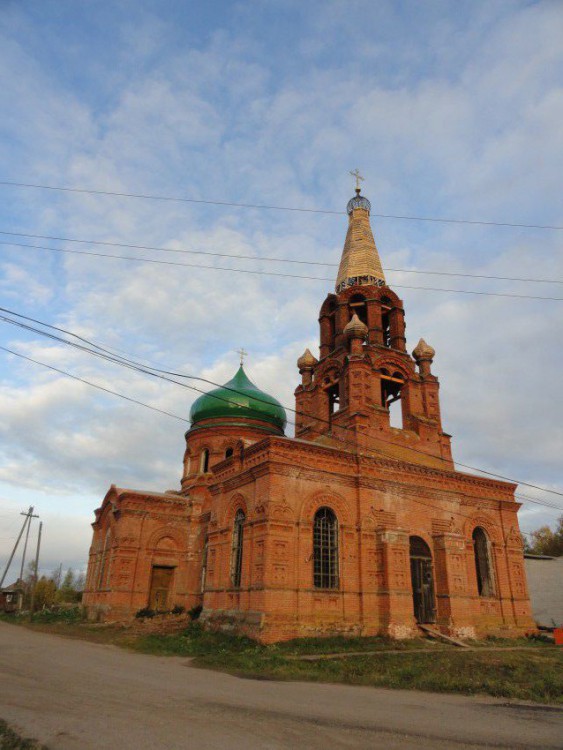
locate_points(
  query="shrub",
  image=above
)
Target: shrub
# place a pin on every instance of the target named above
(178, 610)
(59, 614)
(145, 612)
(195, 612)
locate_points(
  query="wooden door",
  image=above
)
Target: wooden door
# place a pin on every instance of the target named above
(422, 578)
(161, 585)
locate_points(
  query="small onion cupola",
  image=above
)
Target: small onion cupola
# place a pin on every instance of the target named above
(307, 361)
(238, 401)
(423, 353)
(355, 328)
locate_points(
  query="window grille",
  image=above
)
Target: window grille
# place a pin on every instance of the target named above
(483, 563)
(236, 549)
(325, 549)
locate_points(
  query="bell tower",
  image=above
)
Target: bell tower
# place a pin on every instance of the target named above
(366, 392)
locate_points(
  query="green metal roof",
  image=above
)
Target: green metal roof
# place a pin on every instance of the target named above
(239, 399)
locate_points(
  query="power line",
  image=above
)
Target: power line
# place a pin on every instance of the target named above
(402, 217)
(175, 416)
(105, 354)
(270, 273)
(93, 385)
(154, 372)
(140, 403)
(268, 259)
(529, 499)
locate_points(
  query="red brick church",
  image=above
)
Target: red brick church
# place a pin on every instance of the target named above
(358, 525)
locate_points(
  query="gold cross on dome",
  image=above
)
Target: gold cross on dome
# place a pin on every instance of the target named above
(358, 176)
(242, 354)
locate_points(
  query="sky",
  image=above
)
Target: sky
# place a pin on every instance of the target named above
(449, 109)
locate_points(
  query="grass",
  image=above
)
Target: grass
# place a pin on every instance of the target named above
(515, 674)
(10, 740)
(532, 673)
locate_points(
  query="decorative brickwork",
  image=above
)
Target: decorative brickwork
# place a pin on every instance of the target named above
(356, 526)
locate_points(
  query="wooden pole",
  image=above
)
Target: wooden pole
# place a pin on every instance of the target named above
(15, 547)
(29, 515)
(32, 605)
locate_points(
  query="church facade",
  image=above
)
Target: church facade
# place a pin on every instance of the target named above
(359, 525)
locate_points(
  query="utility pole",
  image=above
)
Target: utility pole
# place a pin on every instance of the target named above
(32, 605)
(59, 575)
(28, 514)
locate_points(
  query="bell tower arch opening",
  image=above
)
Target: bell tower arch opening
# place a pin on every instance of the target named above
(358, 305)
(333, 399)
(391, 389)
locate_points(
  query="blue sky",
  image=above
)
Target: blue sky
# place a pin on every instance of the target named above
(448, 109)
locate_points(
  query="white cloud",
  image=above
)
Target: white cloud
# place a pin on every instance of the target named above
(471, 130)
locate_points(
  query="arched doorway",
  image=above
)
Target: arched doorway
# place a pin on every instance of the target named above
(422, 578)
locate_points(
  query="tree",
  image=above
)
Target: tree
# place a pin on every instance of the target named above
(71, 587)
(57, 576)
(68, 580)
(545, 541)
(45, 593)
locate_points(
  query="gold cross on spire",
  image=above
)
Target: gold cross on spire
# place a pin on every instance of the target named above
(242, 354)
(358, 176)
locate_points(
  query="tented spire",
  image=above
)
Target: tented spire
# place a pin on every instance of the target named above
(360, 263)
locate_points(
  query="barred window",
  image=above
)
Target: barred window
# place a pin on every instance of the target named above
(483, 567)
(236, 549)
(325, 549)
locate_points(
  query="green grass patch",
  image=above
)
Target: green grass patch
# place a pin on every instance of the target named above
(68, 615)
(195, 641)
(11, 740)
(535, 675)
(343, 644)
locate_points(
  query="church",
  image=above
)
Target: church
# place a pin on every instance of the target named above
(360, 524)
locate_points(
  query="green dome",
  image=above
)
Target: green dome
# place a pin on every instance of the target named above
(238, 399)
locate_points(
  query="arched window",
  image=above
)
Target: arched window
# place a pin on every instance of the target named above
(483, 566)
(325, 549)
(236, 548)
(228, 452)
(204, 463)
(359, 307)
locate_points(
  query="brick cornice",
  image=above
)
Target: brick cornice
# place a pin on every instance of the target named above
(279, 446)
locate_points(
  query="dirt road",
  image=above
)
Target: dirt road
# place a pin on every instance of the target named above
(74, 694)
